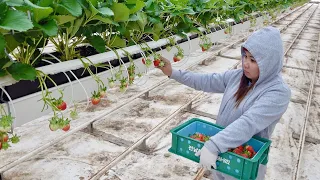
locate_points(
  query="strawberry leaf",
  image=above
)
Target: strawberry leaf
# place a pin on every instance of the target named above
(121, 12)
(20, 71)
(72, 6)
(16, 20)
(98, 43)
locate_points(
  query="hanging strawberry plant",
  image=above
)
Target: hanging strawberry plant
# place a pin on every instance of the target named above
(179, 55)
(56, 123)
(6, 121)
(205, 43)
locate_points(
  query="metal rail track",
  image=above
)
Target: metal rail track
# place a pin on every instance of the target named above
(305, 24)
(302, 138)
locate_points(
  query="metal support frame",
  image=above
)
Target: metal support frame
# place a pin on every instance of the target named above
(90, 127)
(292, 67)
(233, 46)
(230, 57)
(146, 95)
(189, 107)
(304, 49)
(201, 113)
(298, 101)
(205, 62)
(307, 139)
(308, 39)
(143, 148)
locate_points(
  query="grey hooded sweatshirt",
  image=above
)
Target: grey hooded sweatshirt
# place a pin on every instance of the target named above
(263, 106)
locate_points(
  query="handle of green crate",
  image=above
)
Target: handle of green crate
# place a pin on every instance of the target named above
(200, 174)
(263, 157)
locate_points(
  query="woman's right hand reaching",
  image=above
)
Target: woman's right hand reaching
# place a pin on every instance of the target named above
(167, 68)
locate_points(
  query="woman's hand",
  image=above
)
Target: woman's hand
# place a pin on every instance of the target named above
(207, 158)
(167, 68)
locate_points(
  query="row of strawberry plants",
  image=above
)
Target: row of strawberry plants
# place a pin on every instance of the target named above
(27, 26)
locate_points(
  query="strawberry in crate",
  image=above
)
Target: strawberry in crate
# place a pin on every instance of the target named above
(200, 137)
(246, 151)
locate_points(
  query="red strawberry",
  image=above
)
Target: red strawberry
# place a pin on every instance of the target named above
(96, 97)
(0, 145)
(201, 137)
(203, 49)
(5, 137)
(95, 101)
(225, 32)
(156, 62)
(249, 148)
(143, 61)
(237, 151)
(240, 147)
(62, 106)
(244, 155)
(176, 58)
(66, 127)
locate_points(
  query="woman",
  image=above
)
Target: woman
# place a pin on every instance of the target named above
(255, 97)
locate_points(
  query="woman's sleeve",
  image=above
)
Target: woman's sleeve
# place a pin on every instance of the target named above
(266, 110)
(210, 82)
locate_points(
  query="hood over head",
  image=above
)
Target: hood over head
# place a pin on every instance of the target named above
(266, 47)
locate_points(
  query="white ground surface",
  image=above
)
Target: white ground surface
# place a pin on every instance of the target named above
(82, 154)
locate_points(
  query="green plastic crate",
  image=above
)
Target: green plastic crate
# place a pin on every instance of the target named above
(228, 162)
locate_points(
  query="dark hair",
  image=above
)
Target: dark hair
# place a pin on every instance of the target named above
(243, 88)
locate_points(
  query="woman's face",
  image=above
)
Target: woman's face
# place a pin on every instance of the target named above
(250, 67)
